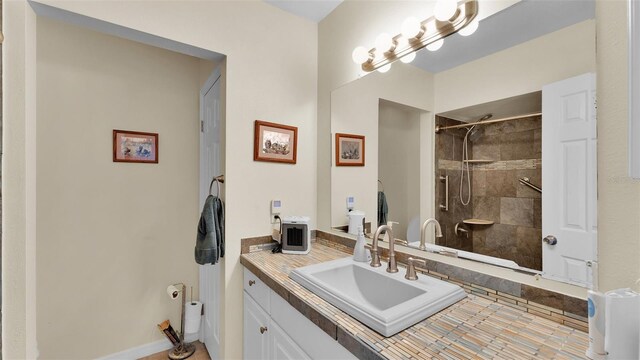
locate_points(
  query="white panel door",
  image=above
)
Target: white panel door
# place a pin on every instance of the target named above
(210, 275)
(256, 327)
(569, 192)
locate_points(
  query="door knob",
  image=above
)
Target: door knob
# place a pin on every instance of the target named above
(263, 329)
(251, 282)
(550, 239)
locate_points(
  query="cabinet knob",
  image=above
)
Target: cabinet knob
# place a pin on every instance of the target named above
(251, 282)
(263, 329)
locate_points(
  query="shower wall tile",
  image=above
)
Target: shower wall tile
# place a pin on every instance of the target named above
(479, 183)
(529, 244)
(486, 151)
(501, 183)
(516, 211)
(531, 123)
(487, 208)
(537, 213)
(517, 145)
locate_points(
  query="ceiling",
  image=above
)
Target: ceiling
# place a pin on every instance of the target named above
(314, 10)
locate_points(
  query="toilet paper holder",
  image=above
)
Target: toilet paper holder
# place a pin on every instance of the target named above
(182, 350)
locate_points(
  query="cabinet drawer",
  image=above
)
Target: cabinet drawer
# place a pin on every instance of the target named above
(257, 289)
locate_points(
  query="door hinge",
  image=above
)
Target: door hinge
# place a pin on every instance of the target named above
(201, 126)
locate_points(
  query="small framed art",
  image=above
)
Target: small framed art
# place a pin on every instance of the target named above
(135, 146)
(275, 142)
(349, 150)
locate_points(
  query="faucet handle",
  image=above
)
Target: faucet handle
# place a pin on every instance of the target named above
(375, 257)
(402, 242)
(411, 268)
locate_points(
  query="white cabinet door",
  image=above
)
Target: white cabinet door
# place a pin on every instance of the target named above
(282, 346)
(569, 191)
(257, 328)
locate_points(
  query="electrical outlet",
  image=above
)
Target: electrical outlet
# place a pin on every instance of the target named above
(276, 208)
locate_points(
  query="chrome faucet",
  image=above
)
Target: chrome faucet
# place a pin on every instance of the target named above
(392, 267)
(423, 233)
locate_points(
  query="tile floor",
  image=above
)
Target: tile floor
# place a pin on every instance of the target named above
(200, 354)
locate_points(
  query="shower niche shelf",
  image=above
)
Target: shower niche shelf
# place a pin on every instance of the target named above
(479, 161)
(477, 222)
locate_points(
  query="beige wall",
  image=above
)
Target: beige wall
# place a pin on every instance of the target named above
(355, 110)
(518, 70)
(111, 236)
(267, 79)
(399, 164)
(618, 195)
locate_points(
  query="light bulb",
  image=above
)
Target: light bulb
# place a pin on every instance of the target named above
(411, 28)
(408, 58)
(384, 69)
(469, 29)
(445, 9)
(360, 55)
(435, 45)
(384, 42)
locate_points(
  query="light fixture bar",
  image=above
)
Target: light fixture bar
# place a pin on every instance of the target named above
(465, 14)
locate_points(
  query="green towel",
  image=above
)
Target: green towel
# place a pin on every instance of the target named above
(383, 208)
(210, 239)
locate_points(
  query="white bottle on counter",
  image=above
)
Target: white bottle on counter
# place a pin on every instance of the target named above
(360, 253)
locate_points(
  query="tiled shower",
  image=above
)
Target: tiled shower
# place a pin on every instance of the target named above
(505, 152)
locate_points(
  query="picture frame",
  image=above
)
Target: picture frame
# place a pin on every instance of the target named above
(275, 142)
(135, 147)
(350, 150)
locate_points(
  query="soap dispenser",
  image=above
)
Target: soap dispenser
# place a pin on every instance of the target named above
(360, 253)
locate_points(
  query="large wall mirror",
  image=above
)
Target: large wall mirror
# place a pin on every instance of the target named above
(493, 135)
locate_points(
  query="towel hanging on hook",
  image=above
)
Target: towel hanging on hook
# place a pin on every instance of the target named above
(218, 180)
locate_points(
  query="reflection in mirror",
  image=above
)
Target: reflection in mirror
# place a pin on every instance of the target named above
(531, 87)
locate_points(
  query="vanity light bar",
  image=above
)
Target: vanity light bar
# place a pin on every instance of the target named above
(432, 31)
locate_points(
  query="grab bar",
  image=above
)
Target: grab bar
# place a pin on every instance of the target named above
(527, 182)
(445, 180)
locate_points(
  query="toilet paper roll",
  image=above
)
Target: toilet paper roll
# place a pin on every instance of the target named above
(622, 324)
(192, 312)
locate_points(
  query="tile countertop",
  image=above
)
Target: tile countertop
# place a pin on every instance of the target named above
(474, 328)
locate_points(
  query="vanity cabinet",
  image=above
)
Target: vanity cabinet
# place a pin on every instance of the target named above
(273, 329)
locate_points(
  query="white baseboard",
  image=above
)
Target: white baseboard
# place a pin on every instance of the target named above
(140, 351)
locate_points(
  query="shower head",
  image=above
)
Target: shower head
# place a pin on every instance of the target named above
(475, 132)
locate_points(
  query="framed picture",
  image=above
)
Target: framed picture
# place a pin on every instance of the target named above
(135, 146)
(275, 142)
(349, 150)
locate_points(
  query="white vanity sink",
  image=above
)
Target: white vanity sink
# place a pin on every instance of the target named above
(387, 303)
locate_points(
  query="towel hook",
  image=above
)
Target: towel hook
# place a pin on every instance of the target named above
(218, 180)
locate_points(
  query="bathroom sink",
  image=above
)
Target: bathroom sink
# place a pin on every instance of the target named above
(387, 303)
